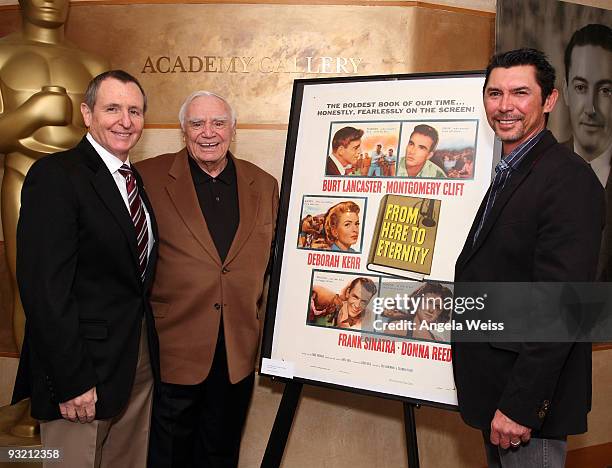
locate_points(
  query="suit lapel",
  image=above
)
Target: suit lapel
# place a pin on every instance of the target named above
(469, 244)
(516, 179)
(105, 186)
(604, 269)
(500, 202)
(248, 204)
(604, 265)
(183, 195)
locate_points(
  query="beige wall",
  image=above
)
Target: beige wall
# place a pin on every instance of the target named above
(481, 5)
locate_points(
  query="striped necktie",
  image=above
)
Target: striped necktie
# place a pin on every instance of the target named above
(138, 217)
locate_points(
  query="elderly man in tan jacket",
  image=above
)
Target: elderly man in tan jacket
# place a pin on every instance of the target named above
(216, 217)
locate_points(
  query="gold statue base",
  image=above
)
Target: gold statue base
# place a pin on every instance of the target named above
(16, 431)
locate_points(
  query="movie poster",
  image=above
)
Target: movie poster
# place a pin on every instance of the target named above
(383, 177)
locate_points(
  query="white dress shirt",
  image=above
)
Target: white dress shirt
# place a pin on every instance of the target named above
(113, 163)
(340, 167)
(601, 165)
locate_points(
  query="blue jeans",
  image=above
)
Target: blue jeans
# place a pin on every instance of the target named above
(537, 453)
(374, 170)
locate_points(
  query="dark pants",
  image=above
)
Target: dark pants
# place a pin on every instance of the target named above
(200, 425)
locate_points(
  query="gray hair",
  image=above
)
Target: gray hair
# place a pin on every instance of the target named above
(197, 94)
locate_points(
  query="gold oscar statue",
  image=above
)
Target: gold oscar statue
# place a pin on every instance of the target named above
(43, 79)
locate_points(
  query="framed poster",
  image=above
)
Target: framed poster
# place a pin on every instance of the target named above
(383, 176)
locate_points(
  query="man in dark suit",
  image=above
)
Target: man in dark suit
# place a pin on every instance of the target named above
(586, 89)
(86, 251)
(541, 220)
(345, 151)
(216, 217)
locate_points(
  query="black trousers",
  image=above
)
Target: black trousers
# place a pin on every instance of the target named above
(200, 425)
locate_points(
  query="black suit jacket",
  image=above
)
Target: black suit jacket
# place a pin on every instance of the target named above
(604, 270)
(545, 226)
(79, 281)
(331, 168)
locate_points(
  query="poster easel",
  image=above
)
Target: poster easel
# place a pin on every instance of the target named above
(285, 415)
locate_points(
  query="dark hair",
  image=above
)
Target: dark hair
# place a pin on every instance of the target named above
(119, 75)
(545, 73)
(366, 283)
(591, 34)
(428, 131)
(344, 136)
(442, 291)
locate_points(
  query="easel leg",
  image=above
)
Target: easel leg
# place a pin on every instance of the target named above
(282, 425)
(411, 436)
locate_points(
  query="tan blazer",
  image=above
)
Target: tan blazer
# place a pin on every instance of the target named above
(192, 288)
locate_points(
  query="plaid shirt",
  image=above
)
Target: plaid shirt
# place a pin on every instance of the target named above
(503, 172)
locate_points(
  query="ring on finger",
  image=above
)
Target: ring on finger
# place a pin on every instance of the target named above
(515, 443)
